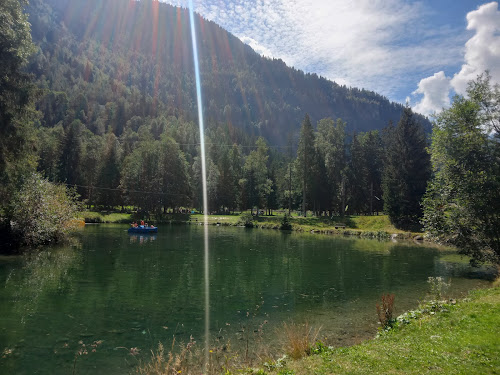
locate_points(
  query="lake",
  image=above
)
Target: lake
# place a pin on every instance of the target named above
(121, 292)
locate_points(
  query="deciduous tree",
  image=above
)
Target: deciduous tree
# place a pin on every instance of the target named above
(462, 203)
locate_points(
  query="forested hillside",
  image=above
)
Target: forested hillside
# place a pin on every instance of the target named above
(105, 62)
(117, 116)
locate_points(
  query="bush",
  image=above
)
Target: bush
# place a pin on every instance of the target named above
(246, 219)
(437, 287)
(42, 212)
(285, 223)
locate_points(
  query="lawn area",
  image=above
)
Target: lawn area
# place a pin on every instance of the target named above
(99, 217)
(461, 339)
(371, 226)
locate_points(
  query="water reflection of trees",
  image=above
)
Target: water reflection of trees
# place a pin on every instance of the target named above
(42, 273)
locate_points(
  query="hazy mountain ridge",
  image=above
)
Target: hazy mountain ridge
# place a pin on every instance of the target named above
(117, 59)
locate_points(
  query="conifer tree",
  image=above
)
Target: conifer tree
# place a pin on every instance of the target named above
(406, 171)
(306, 157)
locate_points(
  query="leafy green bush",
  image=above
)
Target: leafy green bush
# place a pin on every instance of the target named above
(246, 219)
(285, 223)
(42, 212)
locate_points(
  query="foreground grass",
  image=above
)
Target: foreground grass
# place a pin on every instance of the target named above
(463, 340)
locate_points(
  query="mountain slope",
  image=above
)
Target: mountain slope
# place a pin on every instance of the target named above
(106, 61)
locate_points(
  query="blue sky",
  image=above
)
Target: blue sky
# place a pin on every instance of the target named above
(421, 51)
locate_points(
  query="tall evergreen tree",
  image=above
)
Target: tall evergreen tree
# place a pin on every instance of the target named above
(406, 171)
(227, 182)
(174, 172)
(372, 156)
(330, 144)
(109, 175)
(358, 187)
(72, 151)
(258, 185)
(306, 159)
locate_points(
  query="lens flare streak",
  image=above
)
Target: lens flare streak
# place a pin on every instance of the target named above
(204, 182)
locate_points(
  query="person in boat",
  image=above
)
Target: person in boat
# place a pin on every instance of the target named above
(142, 222)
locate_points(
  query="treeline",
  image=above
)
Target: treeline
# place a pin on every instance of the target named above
(155, 166)
(105, 62)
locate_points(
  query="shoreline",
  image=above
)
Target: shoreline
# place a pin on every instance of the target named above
(315, 225)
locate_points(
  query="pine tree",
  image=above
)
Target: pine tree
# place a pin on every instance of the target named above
(306, 158)
(330, 145)
(372, 156)
(406, 171)
(359, 189)
(109, 174)
(258, 185)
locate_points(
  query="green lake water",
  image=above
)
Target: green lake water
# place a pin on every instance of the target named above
(135, 291)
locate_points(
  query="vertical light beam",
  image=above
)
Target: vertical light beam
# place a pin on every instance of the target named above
(204, 183)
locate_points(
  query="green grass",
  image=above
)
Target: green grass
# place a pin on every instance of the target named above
(369, 226)
(364, 226)
(463, 340)
(98, 217)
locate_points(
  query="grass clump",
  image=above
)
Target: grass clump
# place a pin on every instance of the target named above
(385, 311)
(299, 339)
(166, 364)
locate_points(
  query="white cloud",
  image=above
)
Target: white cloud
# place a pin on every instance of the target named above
(435, 91)
(260, 49)
(482, 51)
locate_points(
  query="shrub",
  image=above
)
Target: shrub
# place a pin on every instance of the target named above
(247, 220)
(42, 212)
(437, 286)
(285, 223)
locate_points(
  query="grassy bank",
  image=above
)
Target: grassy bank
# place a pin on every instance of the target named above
(105, 217)
(456, 339)
(377, 226)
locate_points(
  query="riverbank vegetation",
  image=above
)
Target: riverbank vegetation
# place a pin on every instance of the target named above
(447, 336)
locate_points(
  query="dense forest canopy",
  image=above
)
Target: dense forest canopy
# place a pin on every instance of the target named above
(117, 113)
(117, 59)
